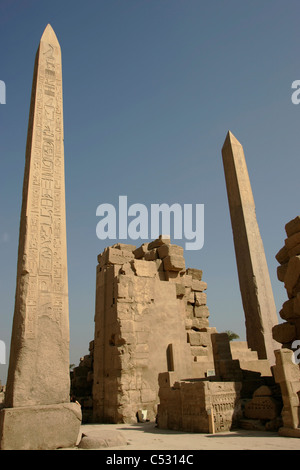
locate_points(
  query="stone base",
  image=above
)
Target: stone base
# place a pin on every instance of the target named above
(41, 427)
(289, 432)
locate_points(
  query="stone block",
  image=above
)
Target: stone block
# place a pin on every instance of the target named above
(189, 310)
(180, 290)
(187, 280)
(293, 226)
(140, 251)
(200, 299)
(174, 263)
(161, 240)
(195, 273)
(172, 276)
(191, 297)
(43, 427)
(200, 323)
(151, 255)
(292, 275)
(282, 256)
(144, 268)
(169, 250)
(166, 379)
(292, 241)
(123, 246)
(148, 395)
(263, 391)
(288, 310)
(198, 286)
(262, 407)
(115, 256)
(284, 332)
(101, 439)
(296, 305)
(199, 338)
(199, 352)
(201, 312)
(294, 251)
(281, 272)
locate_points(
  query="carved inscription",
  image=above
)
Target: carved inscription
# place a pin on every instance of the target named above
(45, 206)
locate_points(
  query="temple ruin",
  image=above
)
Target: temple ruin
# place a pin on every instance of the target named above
(154, 348)
(155, 354)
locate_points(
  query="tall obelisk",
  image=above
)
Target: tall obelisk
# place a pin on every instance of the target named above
(38, 413)
(254, 279)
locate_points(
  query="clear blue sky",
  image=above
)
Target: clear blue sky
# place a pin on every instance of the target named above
(151, 88)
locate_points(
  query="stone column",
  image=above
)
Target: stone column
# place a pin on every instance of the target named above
(38, 413)
(254, 279)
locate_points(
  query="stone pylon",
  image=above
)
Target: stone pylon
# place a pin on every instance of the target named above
(254, 279)
(38, 413)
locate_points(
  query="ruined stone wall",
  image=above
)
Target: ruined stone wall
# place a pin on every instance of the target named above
(289, 273)
(198, 405)
(151, 316)
(286, 370)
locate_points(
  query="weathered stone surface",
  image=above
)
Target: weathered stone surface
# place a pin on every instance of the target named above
(292, 241)
(37, 409)
(292, 276)
(161, 240)
(289, 310)
(287, 374)
(180, 290)
(200, 299)
(143, 268)
(41, 320)
(139, 332)
(254, 279)
(198, 286)
(141, 251)
(201, 312)
(294, 251)
(284, 333)
(40, 427)
(263, 391)
(195, 273)
(101, 439)
(293, 226)
(281, 272)
(151, 255)
(169, 250)
(174, 263)
(263, 406)
(188, 406)
(124, 246)
(115, 256)
(282, 256)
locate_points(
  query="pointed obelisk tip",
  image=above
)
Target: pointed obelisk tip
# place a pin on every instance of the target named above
(231, 140)
(49, 34)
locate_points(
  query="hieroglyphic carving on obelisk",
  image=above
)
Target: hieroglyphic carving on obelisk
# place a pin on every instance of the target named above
(254, 279)
(38, 372)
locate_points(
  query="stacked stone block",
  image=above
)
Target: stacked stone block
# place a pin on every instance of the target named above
(151, 316)
(82, 384)
(289, 273)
